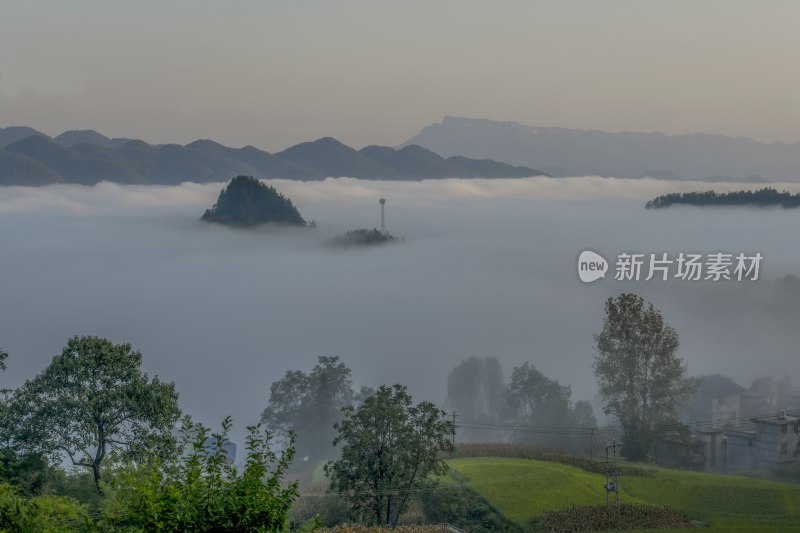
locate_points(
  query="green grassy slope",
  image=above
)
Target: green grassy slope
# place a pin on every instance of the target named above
(523, 488)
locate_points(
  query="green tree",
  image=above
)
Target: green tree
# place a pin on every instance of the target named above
(91, 400)
(390, 450)
(641, 379)
(310, 404)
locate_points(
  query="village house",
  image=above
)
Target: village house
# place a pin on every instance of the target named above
(748, 429)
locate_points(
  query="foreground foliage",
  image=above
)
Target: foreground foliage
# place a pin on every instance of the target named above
(378, 529)
(201, 490)
(602, 517)
(52, 514)
(93, 399)
(196, 490)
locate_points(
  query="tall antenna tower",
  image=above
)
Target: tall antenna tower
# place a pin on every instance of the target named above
(383, 215)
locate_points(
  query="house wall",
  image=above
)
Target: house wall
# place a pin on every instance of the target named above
(725, 408)
(739, 453)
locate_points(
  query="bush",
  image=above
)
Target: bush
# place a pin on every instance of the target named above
(464, 509)
(200, 490)
(521, 451)
(53, 514)
(610, 518)
(329, 509)
(377, 529)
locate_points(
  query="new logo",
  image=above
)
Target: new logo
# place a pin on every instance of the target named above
(591, 266)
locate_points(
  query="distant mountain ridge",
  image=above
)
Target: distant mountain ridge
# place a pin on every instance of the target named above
(29, 157)
(571, 152)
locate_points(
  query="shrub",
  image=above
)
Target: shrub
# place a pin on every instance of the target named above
(610, 517)
(53, 514)
(464, 509)
(329, 509)
(378, 529)
(200, 490)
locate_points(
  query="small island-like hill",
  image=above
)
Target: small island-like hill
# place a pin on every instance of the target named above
(363, 237)
(766, 197)
(246, 201)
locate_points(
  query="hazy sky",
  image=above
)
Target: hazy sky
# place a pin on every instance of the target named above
(273, 73)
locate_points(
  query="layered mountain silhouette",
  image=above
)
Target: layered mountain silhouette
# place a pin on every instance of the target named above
(571, 152)
(29, 157)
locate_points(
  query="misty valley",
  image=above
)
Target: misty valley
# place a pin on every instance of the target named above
(471, 344)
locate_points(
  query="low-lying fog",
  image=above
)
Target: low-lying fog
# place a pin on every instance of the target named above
(488, 267)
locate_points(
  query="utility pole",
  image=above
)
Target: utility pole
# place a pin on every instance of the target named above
(454, 428)
(612, 481)
(591, 443)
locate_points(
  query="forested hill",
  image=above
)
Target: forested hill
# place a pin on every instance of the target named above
(245, 201)
(761, 198)
(28, 157)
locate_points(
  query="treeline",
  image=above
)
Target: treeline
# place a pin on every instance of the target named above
(762, 198)
(530, 408)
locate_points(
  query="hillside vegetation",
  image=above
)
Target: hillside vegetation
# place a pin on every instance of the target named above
(245, 201)
(524, 489)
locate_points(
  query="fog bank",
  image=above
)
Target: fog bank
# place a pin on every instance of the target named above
(487, 268)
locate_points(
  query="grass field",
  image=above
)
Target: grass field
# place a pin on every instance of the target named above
(523, 488)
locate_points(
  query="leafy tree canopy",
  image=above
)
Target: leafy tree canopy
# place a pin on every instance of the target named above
(91, 400)
(640, 377)
(390, 451)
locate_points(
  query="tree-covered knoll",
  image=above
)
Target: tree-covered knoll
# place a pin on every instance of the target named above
(246, 201)
(363, 237)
